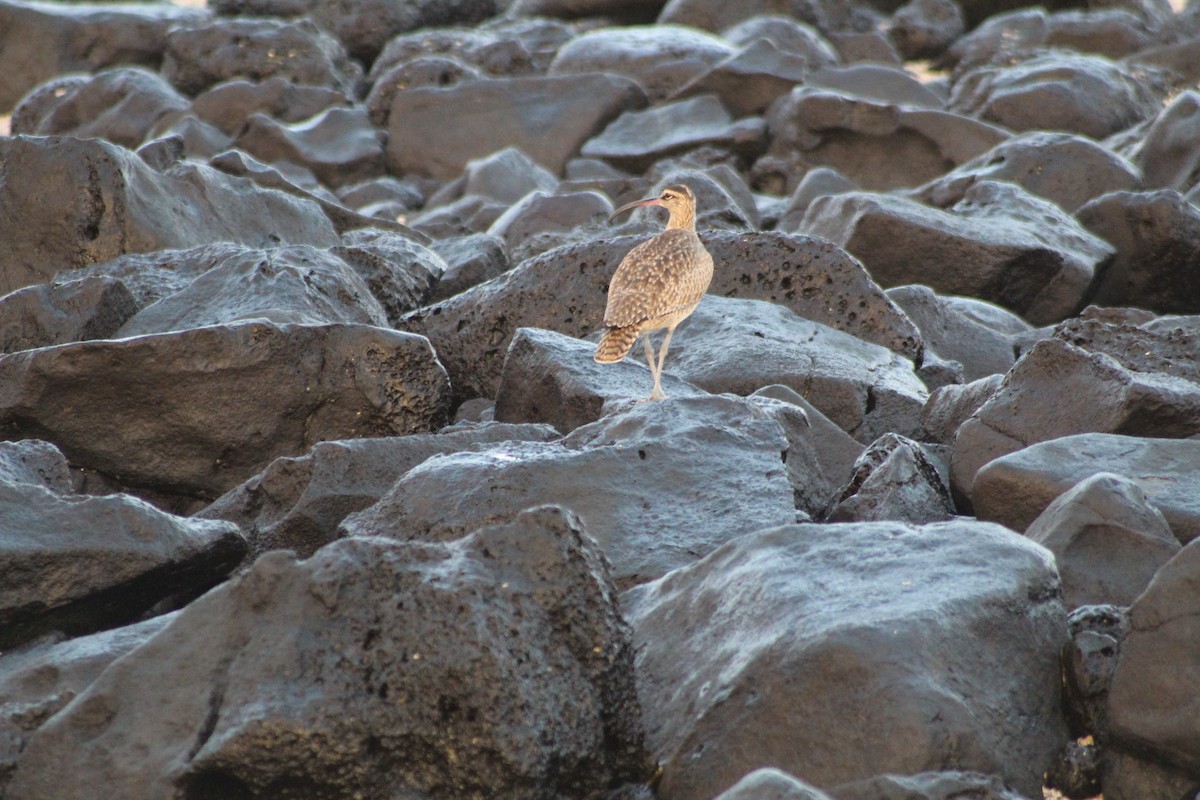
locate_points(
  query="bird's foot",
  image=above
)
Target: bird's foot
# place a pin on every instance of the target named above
(657, 394)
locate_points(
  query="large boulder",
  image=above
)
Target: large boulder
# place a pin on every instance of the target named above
(1107, 538)
(67, 203)
(1015, 489)
(1157, 239)
(196, 412)
(297, 502)
(1091, 376)
(564, 291)
(740, 346)
(77, 564)
(498, 664)
(876, 144)
(299, 284)
(426, 136)
(998, 244)
(657, 484)
(1153, 702)
(40, 41)
(793, 647)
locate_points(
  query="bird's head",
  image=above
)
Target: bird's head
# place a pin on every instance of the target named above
(677, 199)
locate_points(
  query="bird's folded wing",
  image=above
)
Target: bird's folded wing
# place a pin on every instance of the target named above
(657, 277)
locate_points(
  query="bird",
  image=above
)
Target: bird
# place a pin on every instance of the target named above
(657, 285)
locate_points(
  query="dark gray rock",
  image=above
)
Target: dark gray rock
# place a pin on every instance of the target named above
(504, 176)
(660, 58)
(78, 564)
(952, 333)
(884, 83)
(42, 41)
(339, 145)
(835, 449)
(864, 47)
(540, 221)
(199, 56)
(998, 244)
(554, 379)
(1107, 539)
(639, 10)
(1014, 489)
(36, 462)
(121, 104)
(739, 346)
(875, 144)
(849, 629)
(214, 405)
(894, 479)
(466, 216)
(57, 313)
(37, 681)
(787, 33)
(296, 503)
(945, 785)
(925, 28)
(229, 104)
(1060, 91)
(365, 26)
(948, 407)
(637, 139)
(400, 272)
(67, 203)
(299, 284)
(768, 783)
(748, 81)
(714, 15)
(1167, 153)
(1065, 168)
(1126, 776)
(470, 260)
(564, 291)
(1112, 32)
(384, 191)
(1157, 239)
(429, 138)
(1060, 388)
(546, 706)
(1153, 698)
(680, 477)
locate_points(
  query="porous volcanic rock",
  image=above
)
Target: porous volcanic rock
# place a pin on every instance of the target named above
(213, 405)
(36, 462)
(948, 635)
(506, 647)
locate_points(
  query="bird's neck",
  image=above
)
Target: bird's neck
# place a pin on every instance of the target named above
(682, 220)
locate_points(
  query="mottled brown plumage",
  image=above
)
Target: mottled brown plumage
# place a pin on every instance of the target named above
(658, 284)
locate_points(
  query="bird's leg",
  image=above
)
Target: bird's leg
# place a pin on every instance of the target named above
(650, 364)
(657, 393)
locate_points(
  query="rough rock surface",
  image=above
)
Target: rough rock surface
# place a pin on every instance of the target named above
(740, 346)
(36, 462)
(767, 652)
(46, 314)
(297, 502)
(506, 647)
(77, 564)
(895, 479)
(658, 484)
(216, 404)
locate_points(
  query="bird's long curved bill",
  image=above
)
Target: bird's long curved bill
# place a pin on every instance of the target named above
(651, 201)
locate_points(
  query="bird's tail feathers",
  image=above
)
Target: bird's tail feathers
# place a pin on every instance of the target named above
(615, 343)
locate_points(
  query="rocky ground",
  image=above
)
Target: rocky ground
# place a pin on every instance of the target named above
(310, 487)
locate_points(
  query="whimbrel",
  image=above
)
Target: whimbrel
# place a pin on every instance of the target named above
(657, 285)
